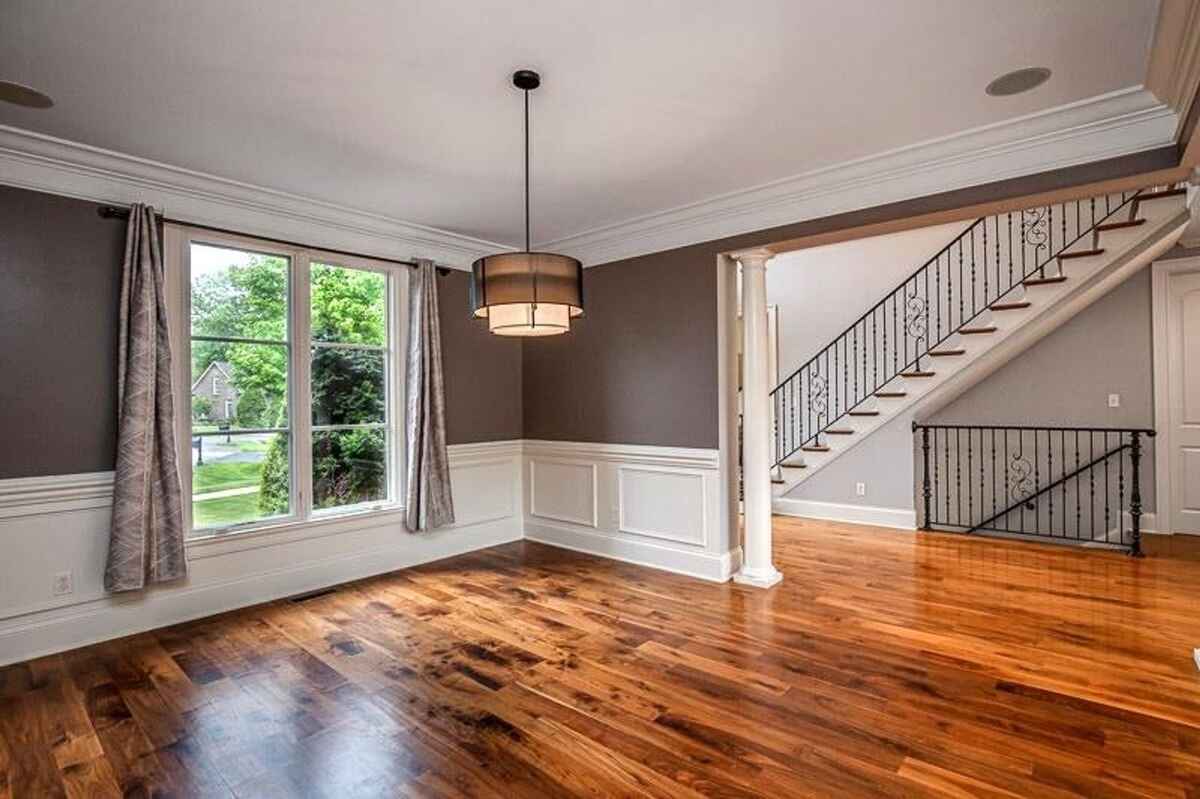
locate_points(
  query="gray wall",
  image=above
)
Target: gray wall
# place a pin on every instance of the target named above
(641, 368)
(482, 371)
(60, 284)
(1062, 380)
(60, 281)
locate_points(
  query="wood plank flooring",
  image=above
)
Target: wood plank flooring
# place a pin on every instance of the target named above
(886, 664)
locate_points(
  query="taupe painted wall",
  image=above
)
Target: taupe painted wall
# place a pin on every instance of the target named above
(1064, 379)
(60, 280)
(482, 371)
(60, 284)
(641, 368)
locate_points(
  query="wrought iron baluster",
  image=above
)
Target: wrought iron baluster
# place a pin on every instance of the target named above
(1135, 494)
(926, 487)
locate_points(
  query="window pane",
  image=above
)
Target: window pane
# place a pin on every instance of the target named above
(239, 478)
(348, 305)
(347, 386)
(349, 467)
(238, 386)
(238, 294)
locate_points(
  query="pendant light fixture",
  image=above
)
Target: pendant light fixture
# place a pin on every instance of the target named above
(527, 293)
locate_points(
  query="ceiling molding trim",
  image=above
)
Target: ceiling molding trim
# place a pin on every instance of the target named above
(44, 163)
(1174, 71)
(1108, 126)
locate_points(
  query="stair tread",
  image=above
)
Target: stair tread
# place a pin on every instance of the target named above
(841, 431)
(1010, 306)
(944, 353)
(1042, 281)
(814, 449)
(1158, 195)
(917, 374)
(975, 331)
(1119, 225)
(863, 413)
(1081, 253)
(891, 394)
(794, 465)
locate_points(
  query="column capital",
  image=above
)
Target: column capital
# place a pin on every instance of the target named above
(756, 257)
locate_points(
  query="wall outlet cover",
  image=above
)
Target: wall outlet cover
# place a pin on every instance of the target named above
(1114, 400)
(860, 489)
(1196, 657)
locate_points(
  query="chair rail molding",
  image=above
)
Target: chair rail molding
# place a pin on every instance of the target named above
(1107, 126)
(57, 166)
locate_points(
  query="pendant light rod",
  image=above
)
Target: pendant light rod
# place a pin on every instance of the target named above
(527, 242)
(527, 80)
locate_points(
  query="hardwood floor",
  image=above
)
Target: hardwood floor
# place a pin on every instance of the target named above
(885, 664)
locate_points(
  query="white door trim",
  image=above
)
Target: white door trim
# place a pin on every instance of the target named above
(1160, 274)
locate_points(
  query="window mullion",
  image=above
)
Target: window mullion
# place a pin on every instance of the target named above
(301, 389)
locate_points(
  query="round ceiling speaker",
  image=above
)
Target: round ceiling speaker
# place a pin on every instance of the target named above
(1021, 80)
(20, 94)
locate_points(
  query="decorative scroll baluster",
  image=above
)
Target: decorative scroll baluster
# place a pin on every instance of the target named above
(922, 320)
(958, 462)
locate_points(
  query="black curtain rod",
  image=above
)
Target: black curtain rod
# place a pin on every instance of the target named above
(118, 212)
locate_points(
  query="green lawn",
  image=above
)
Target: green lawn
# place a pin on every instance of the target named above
(226, 511)
(219, 476)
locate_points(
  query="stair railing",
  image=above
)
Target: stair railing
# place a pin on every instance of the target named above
(987, 261)
(1066, 484)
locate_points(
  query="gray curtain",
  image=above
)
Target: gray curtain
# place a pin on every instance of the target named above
(146, 544)
(427, 468)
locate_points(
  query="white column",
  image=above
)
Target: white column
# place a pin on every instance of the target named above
(757, 568)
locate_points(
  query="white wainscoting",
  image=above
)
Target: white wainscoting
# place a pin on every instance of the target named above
(55, 524)
(654, 506)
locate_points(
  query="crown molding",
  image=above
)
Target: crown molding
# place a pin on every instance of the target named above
(1173, 74)
(1107, 126)
(44, 163)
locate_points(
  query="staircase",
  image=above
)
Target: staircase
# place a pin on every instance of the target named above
(1004, 283)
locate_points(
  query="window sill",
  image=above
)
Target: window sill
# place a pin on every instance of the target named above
(270, 534)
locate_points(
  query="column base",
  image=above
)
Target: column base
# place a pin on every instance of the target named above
(758, 578)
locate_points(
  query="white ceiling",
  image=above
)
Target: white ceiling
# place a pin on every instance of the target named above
(404, 108)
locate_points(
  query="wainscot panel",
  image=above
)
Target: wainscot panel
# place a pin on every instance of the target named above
(654, 506)
(57, 524)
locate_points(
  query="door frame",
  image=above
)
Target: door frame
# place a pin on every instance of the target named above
(1161, 272)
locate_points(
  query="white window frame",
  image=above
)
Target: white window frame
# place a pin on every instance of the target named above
(177, 243)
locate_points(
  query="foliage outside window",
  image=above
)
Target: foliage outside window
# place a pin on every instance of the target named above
(244, 436)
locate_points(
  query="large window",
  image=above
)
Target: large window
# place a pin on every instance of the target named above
(292, 373)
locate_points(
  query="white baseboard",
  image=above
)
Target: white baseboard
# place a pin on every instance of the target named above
(899, 518)
(113, 617)
(705, 565)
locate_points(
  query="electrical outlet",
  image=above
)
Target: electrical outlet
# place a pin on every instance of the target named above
(63, 584)
(860, 489)
(1114, 400)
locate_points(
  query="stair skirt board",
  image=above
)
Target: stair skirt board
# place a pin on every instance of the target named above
(1128, 248)
(896, 518)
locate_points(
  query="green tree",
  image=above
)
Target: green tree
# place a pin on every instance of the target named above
(348, 307)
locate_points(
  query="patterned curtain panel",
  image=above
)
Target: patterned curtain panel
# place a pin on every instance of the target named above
(147, 522)
(427, 468)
